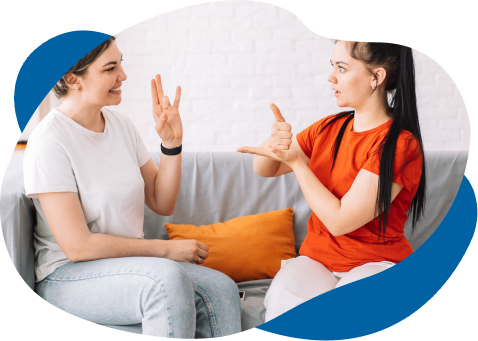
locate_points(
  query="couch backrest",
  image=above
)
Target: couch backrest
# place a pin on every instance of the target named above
(216, 187)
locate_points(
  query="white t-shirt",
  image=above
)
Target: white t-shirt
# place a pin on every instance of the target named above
(103, 168)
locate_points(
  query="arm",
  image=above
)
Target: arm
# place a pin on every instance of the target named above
(162, 184)
(355, 209)
(67, 222)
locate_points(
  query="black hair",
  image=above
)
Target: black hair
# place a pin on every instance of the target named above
(398, 63)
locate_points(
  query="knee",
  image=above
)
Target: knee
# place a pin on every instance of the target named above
(167, 272)
(227, 286)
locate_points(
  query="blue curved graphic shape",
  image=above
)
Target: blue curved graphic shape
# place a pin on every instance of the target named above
(351, 311)
(378, 302)
(49, 62)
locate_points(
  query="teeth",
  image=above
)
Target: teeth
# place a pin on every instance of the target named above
(114, 90)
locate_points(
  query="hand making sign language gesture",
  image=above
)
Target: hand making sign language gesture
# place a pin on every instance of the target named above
(280, 141)
(168, 122)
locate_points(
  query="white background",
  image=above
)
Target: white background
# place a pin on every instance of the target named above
(233, 58)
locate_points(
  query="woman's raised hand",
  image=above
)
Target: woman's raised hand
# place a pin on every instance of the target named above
(188, 250)
(280, 141)
(168, 122)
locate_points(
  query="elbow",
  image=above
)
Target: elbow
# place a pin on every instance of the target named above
(74, 256)
(260, 172)
(335, 230)
(166, 212)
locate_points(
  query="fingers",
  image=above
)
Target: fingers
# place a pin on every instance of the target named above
(165, 103)
(284, 134)
(161, 122)
(277, 113)
(283, 143)
(203, 254)
(255, 150)
(203, 246)
(282, 126)
(159, 88)
(154, 92)
(177, 97)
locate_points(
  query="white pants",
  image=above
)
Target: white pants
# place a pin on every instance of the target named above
(302, 278)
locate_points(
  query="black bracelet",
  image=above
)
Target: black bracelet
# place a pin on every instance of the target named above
(172, 151)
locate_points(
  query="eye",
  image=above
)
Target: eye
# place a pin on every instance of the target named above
(341, 69)
(111, 69)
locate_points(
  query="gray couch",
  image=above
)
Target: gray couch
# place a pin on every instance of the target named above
(218, 187)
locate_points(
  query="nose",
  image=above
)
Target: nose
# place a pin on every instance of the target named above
(332, 79)
(122, 75)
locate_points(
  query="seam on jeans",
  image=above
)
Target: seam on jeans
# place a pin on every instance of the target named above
(101, 275)
(166, 309)
(210, 312)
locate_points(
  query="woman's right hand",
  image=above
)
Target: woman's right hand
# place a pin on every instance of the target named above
(188, 250)
(281, 135)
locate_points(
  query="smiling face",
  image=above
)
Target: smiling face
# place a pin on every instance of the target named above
(101, 86)
(350, 79)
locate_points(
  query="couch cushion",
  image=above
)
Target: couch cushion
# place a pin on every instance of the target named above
(244, 248)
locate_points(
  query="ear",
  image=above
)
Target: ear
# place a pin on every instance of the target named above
(72, 81)
(379, 77)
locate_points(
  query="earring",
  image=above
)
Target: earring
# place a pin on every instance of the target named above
(373, 88)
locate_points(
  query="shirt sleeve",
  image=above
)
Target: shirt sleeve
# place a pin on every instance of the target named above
(306, 138)
(407, 169)
(47, 168)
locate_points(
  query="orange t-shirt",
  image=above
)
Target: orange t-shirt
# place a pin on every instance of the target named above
(358, 151)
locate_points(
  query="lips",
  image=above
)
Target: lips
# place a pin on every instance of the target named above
(116, 89)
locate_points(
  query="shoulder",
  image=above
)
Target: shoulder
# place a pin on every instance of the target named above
(49, 128)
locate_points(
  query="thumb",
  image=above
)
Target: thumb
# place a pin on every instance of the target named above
(161, 122)
(281, 154)
(277, 113)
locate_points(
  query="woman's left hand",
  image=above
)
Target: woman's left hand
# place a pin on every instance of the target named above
(168, 122)
(289, 156)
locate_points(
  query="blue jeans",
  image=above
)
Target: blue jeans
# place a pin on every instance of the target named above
(170, 299)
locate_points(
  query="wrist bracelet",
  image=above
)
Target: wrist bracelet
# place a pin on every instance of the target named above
(172, 151)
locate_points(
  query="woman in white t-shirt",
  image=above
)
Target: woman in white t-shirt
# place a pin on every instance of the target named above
(89, 174)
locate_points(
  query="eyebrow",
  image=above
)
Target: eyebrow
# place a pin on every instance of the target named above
(340, 62)
(114, 63)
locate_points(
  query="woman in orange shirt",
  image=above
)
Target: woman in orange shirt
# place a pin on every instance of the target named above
(361, 172)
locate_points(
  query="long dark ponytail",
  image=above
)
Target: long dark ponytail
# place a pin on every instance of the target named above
(398, 62)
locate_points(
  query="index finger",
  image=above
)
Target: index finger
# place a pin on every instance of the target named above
(203, 246)
(277, 113)
(177, 97)
(154, 92)
(255, 150)
(159, 88)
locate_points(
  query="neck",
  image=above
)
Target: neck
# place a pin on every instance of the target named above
(370, 115)
(87, 115)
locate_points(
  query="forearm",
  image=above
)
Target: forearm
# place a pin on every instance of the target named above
(264, 166)
(322, 202)
(100, 246)
(167, 183)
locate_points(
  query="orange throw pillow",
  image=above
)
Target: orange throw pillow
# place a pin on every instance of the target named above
(245, 248)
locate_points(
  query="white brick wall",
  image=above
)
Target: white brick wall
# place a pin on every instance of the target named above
(233, 58)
